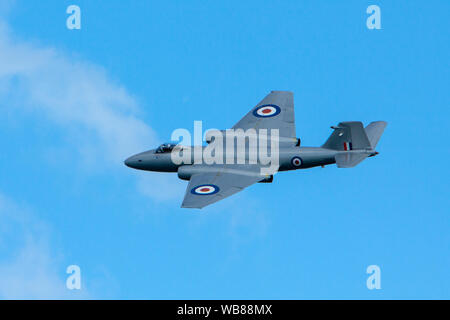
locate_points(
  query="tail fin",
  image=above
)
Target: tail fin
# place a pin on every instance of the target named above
(352, 136)
(374, 130)
(349, 135)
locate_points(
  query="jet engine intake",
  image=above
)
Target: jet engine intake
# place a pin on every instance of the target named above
(209, 135)
(267, 179)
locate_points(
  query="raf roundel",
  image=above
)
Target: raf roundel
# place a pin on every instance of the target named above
(296, 161)
(205, 189)
(267, 110)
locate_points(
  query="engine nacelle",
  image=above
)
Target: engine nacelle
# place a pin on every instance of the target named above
(210, 134)
(185, 172)
(268, 179)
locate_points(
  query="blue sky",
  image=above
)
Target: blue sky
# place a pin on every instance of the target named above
(75, 103)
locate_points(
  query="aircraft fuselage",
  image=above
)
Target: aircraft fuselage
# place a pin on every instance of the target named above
(290, 158)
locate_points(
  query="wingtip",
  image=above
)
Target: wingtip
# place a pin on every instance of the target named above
(385, 123)
(189, 207)
(282, 91)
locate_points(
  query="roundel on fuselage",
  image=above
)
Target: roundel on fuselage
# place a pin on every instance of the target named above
(296, 161)
(266, 110)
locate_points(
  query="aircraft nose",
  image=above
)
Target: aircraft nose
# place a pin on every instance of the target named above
(128, 162)
(132, 162)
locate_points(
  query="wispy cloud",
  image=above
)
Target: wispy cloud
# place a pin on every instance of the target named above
(29, 268)
(161, 187)
(73, 94)
(98, 115)
(6, 6)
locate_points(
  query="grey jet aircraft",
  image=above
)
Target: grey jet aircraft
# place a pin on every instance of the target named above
(349, 144)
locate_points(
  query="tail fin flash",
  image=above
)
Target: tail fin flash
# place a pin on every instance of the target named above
(374, 130)
(349, 135)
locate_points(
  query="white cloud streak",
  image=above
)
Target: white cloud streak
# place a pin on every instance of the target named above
(99, 119)
(32, 271)
(98, 116)
(75, 94)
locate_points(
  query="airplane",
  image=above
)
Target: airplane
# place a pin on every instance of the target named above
(349, 144)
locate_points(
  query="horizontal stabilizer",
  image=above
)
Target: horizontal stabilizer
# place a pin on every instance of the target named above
(374, 131)
(349, 160)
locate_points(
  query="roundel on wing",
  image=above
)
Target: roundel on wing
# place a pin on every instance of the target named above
(296, 161)
(266, 110)
(205, 189)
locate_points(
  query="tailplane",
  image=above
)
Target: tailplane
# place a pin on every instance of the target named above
(350, 160)
(352, 136)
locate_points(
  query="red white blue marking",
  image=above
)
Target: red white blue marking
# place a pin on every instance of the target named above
(296, 161)
(266, 110)
(205, 189)
(347, 146)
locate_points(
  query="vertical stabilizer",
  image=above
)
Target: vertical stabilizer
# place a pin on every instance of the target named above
(349, 135)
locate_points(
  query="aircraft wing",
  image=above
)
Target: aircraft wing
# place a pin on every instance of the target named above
(275, 111)
(217, 183)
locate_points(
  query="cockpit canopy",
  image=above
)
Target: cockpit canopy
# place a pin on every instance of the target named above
(165, 147)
